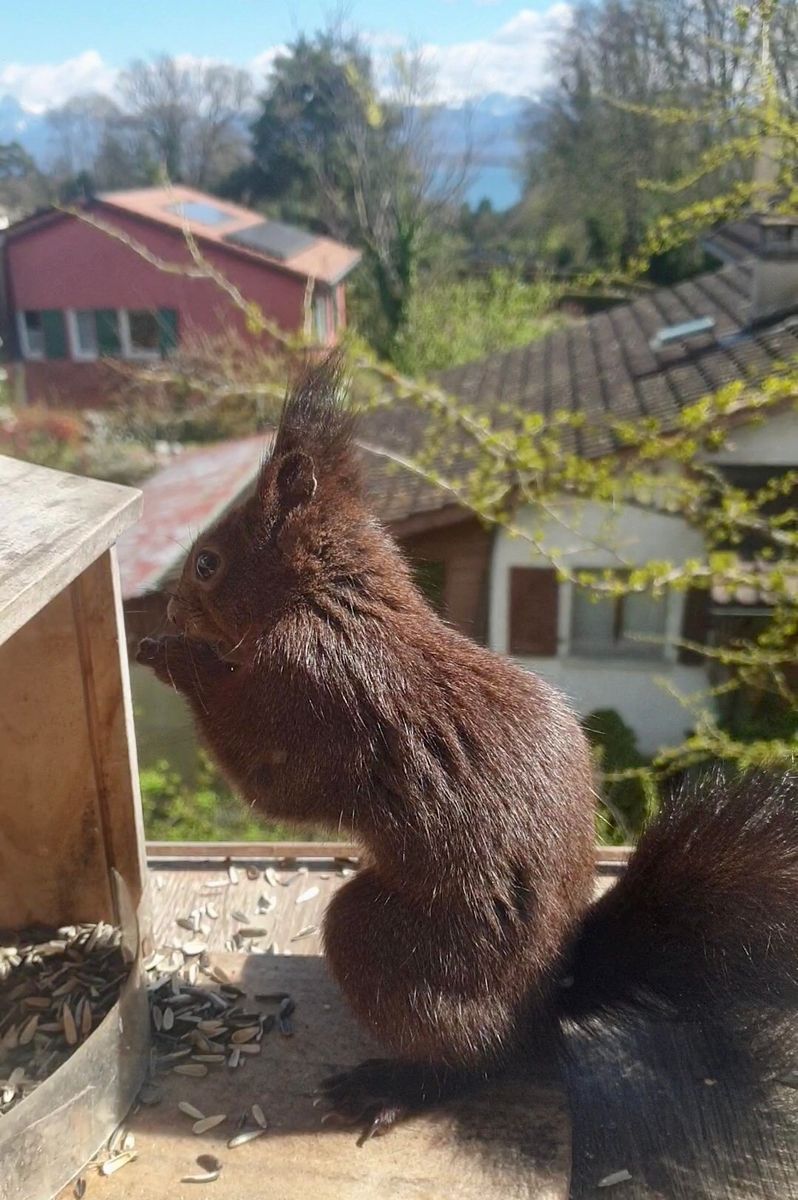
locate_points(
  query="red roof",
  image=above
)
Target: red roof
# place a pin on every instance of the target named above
(180, 500)
(182, 207)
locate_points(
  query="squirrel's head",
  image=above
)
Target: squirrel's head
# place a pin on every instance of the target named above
(297, 528)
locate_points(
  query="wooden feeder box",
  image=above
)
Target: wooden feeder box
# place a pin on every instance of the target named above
(71, 835)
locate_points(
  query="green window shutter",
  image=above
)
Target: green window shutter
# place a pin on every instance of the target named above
(54, 331)
(167, 330)
(107, 332)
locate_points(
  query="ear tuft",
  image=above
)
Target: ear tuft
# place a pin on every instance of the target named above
(296, 480)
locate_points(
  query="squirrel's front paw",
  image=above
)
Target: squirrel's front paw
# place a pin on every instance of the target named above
(165, 656)
(150, 651)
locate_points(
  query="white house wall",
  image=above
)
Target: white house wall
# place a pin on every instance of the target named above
(638, 690)
(774, 443)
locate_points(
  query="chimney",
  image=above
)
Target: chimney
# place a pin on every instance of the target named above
(774, 284)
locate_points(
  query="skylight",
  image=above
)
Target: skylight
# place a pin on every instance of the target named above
(681, 333)
(199, 211)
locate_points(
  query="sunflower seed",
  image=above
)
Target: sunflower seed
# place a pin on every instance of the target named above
(208, 1123)
(185, 923)
(257, 1113)
(240, 916)
(190, 1110)
(270, 875)
(197, 1070)
(79, 1190)
(306, 931)
(206, 1177)
(235, 1057)
(115, 1163)
(128, 1142)
(308, 894)
(232, 874)
(212, 911)
(207, 1058)
(248, 1135)
(194, 947)
(246, 1034)
(29, 1029)
(615, 1177)
(252, 931)
(70, 1029)
(250, 1048)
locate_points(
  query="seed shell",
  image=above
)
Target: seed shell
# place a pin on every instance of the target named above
(248, 1135)
(190, 1110)
(207, 1123)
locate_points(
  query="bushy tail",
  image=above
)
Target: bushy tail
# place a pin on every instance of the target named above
(704, 921)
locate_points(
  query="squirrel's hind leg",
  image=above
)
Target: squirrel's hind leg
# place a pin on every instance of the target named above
(381, 1091)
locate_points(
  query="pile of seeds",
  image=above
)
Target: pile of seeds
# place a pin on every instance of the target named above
(56, 985)
(197, 1025)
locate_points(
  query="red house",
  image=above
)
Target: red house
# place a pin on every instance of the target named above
(73, 295)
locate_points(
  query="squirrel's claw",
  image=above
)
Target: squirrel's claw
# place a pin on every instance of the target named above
(379, 1093)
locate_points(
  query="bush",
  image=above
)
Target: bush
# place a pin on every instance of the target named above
(626, 804)
(457, 321)
(174, 811)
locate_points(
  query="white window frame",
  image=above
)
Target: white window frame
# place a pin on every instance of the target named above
(78, 354)
(28, 353)
(125, 342)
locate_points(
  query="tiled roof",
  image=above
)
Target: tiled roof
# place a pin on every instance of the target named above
(604, 367)
(179, 500)
(734, 242)
(323, 259)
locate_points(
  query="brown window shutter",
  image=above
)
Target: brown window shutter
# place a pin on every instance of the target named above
(534, 594)
(695, 625)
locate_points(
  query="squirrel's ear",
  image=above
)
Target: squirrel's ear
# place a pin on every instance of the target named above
(296, 480)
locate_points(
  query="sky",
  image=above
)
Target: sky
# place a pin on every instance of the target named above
(55, 49)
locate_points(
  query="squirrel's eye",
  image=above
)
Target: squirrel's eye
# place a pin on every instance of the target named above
(207, 564)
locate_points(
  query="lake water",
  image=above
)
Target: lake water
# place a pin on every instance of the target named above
(500, 185)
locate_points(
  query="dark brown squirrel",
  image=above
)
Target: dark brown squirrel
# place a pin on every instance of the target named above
(330, 692)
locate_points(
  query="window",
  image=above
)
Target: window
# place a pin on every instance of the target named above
(321, 317)
(200, 211)
(82, 324)
(31, 334)
(617, 626)
(140, 333)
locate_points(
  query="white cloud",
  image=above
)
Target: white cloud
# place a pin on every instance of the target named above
(43, 85)
(512, 60)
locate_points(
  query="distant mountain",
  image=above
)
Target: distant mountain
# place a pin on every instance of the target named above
(489, 128)
(29, 129)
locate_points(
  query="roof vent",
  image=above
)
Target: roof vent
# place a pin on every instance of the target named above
(681, 333)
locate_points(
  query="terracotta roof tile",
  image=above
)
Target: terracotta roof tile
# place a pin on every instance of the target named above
(326, 260)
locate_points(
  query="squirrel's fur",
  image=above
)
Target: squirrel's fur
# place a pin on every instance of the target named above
(329, 691)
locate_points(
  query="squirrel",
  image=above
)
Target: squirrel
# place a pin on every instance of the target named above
(329, 691)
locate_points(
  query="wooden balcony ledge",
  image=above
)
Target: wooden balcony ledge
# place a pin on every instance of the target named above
(655, 1100)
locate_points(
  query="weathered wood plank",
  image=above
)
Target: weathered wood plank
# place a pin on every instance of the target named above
(52, 856)
(52, 525)
(510, 1141)
(244, 851)
(97, 608)
(683, 1111)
